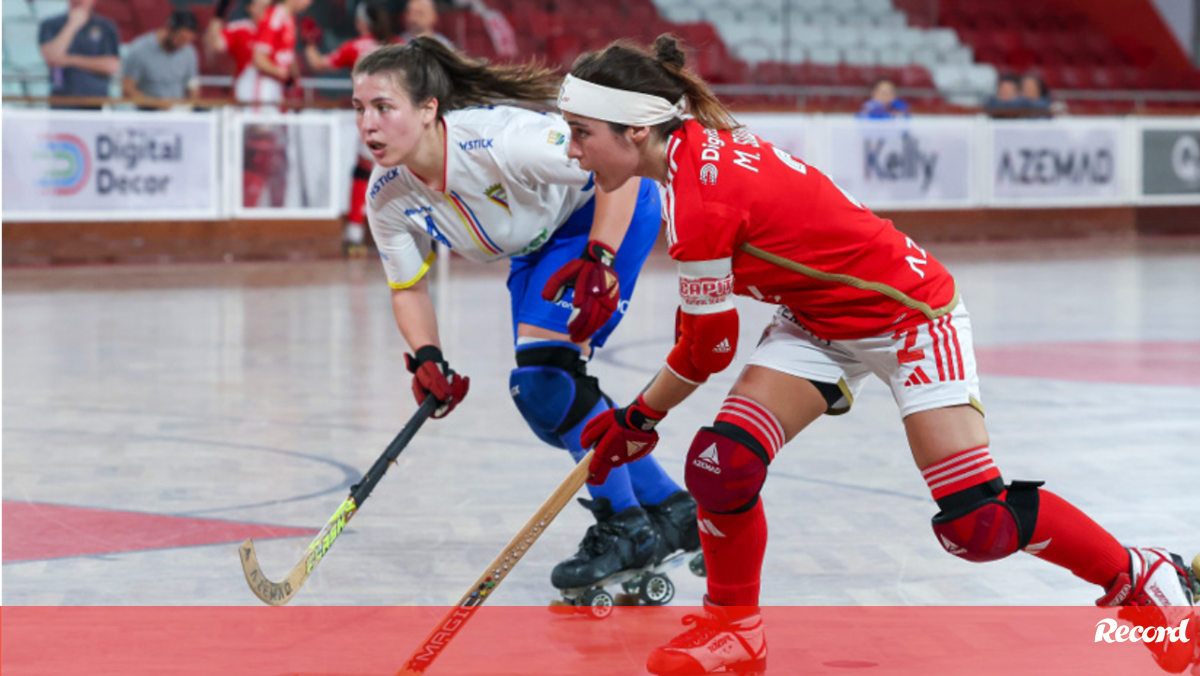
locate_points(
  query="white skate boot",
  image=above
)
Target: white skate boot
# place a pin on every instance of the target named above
(717, 643)
(1159, 591)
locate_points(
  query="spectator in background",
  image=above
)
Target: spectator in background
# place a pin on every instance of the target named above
(420, 19)
(883, 103)
(1007, 101)
(80, 47)
(162, 64)
(1035, 95)
(236, 38)
(374, 30)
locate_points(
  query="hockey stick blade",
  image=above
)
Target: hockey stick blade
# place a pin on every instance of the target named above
(495, 573)
(279, 593)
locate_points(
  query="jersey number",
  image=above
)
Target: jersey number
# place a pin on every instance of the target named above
(915, 262)
(907, 354)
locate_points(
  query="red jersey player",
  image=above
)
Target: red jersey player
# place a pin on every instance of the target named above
(273, 55)
(856, 297)
(264, 164)
(236, 38)
(374, 30)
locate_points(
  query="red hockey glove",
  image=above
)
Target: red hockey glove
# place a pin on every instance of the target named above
(620, 435)
(433, 376)
(310, 31)
(597, 290)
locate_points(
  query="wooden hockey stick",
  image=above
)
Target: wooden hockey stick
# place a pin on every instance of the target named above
(279, 593)
(448, 628)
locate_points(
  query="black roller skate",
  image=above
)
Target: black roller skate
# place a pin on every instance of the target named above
(611, 553)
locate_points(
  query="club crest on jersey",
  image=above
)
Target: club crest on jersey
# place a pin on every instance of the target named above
(556, 138)
(498, 196)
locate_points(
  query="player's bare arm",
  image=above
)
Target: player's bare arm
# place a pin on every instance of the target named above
(415, 316)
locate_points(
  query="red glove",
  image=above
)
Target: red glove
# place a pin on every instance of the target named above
(433, 376)
(620, 435)
(310, 31)
(597, 290)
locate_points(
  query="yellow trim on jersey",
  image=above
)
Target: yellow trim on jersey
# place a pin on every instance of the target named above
(420, 273)
(891, 292)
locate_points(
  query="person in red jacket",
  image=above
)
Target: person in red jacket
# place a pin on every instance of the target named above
(236, 38)
(373, 24)
(856, 297)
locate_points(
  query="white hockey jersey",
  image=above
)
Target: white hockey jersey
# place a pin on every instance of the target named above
(508, 186)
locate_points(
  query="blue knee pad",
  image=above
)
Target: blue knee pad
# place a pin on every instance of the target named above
(552, 389)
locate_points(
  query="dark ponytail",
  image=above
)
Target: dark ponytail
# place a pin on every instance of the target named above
(662, 72)
(426, 69)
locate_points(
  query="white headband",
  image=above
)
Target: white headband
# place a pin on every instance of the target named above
(616, 105)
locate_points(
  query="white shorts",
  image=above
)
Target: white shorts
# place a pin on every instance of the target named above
(262, 90)
(931, 365)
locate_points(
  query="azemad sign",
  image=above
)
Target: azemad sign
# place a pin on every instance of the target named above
(1050, 160)
(126, 165)
(923, 163)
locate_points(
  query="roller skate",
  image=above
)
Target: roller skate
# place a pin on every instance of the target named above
(625, 549)
(1160, 591)
(679, 540)
(721, 641)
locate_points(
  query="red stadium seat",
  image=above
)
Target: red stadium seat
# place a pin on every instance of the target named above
(1074, 77)
(1105, 77)
(1041, 49)
(914, 76)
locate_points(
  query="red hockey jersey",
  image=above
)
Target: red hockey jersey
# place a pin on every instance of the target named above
(746, 217)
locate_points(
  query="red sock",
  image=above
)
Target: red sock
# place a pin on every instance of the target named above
(1063, 535)
(1067, 537)
(734, 545)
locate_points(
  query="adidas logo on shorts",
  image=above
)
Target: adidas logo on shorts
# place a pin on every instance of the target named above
(722, 347)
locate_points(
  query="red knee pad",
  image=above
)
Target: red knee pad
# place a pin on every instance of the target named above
(987, 533)
(986, 522)
(722, 474)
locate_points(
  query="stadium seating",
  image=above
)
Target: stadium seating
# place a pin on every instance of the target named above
(956, 47)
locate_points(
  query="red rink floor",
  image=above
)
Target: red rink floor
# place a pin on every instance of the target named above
(1129, 362)
(502, 641)
(34, 531)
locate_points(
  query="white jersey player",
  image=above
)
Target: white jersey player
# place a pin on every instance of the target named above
(493, 182)
(508, 186)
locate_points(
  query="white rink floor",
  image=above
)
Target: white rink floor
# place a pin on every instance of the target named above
(260, 392)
